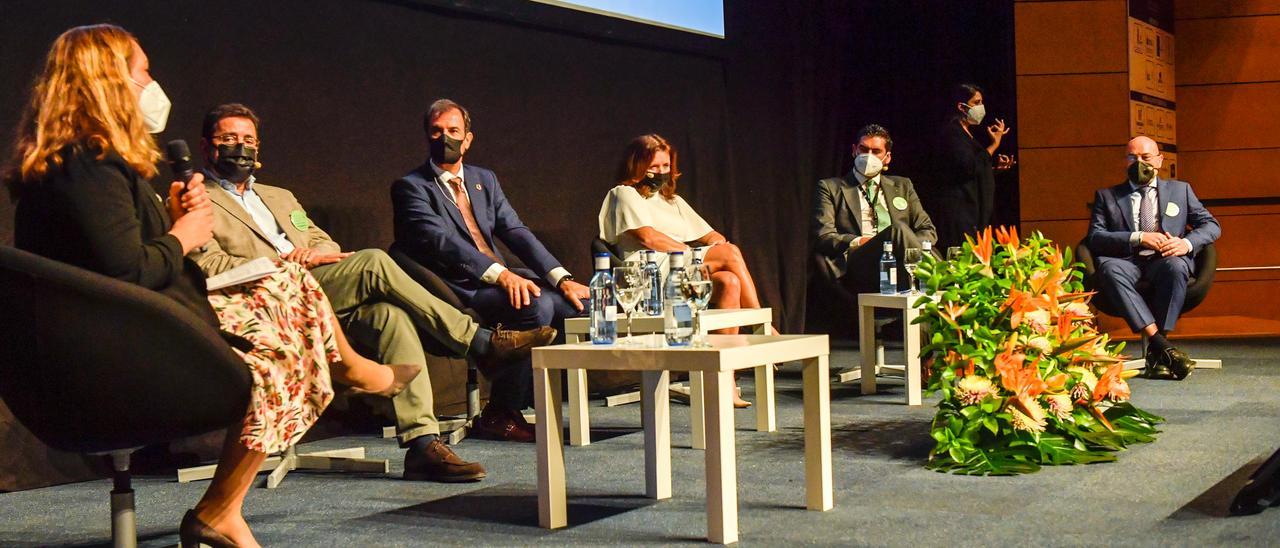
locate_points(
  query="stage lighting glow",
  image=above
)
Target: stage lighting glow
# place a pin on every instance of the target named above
(704, 17)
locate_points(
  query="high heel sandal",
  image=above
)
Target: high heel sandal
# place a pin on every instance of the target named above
(402, 373)
(194, 533)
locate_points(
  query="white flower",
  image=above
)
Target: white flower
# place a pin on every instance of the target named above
(1060, 406)
(973, 388)
(1040, 343)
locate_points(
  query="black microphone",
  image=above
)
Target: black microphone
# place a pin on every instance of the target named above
(180, 160)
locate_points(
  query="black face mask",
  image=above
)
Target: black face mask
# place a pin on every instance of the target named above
(236, 162)
(1141, 173)
(445, 149)
(655, 180)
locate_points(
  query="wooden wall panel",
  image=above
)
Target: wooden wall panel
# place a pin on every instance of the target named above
(1043, 49)
(1247, 240)
(1073, 110)
(1229, 173)
(1064, 233)
(1065, 179)
(1228, 117)
(1198, 9)
(1228, 50)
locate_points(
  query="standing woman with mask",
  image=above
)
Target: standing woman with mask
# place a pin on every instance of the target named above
(78, 173)
(963, 195)
(644, 212)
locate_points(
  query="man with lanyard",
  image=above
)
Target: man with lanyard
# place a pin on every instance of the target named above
(854, 215)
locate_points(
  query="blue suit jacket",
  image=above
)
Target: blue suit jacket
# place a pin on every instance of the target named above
(1112, 222)
(429, 227)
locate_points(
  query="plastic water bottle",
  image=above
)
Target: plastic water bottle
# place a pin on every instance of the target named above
(653, 303)
(604, 311)
(677, 317)
(888, 271)
(697, 255)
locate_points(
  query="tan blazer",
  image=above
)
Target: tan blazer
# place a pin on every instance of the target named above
(237, 238)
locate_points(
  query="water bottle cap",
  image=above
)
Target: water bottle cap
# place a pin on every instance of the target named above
(926, 245)
(888, 246)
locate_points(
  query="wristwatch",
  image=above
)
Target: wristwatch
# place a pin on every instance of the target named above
(563, 278)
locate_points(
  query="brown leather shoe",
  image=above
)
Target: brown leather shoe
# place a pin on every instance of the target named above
(503, 425)
(440, 464)
(510, 346)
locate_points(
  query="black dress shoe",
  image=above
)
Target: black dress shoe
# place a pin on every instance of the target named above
(1157, 366)
(1180, 364)
(439, 463)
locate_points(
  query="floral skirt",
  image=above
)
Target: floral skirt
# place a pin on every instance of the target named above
(290, 323)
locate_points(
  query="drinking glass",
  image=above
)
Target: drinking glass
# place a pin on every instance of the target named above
(630, 285)
(910, 260)
(953, 253)
(696, 288)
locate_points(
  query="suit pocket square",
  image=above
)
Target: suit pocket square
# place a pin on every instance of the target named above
(1171, 210)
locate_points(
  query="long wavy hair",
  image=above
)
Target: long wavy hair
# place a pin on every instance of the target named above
(82, 98)
(636, 159)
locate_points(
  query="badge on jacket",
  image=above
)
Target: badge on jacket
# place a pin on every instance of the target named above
(900, 203)
(1171, 210)
(299, 219)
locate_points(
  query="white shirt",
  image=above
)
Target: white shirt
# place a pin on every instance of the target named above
(867, 213)
(257, 210)
(625, 209)
(1135, 200)
(445, 180)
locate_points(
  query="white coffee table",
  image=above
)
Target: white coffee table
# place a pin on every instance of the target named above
(728, 353)
(873, 361)
(756, 320)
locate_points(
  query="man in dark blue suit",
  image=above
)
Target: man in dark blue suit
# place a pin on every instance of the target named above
(1139, 231)
(447, 217)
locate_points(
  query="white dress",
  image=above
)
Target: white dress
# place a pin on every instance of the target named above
(625, 209)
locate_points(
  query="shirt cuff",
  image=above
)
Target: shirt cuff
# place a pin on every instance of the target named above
(491, 274)
(556, 273)
(1135, 238)
(1190, 248)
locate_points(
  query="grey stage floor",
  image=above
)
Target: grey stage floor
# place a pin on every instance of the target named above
(1172, 492)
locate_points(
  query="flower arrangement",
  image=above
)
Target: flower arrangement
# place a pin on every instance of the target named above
(1025, 377)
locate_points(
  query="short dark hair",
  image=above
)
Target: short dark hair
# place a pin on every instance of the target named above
(227, 110)
(441, 106)
(875, 130)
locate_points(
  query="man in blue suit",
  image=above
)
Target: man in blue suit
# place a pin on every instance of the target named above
(447, 217)
(1139, 231)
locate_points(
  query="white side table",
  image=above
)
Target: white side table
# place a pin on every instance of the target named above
(726, 354)
(756, 320)
(873, 360)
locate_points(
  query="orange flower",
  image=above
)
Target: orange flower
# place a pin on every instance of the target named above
(1111, 385)
(952, 313)
(1008, 235)
(982, 249)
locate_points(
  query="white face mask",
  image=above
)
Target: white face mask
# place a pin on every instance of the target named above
(977, 113)
(868, 165)
(154, 105)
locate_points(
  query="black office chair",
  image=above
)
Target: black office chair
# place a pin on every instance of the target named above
(436, 286)
(601, 246)
(95, 365)
(1206, 266)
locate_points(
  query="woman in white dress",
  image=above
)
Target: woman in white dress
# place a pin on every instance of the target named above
(644, 212)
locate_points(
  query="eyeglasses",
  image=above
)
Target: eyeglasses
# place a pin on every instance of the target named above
(1144, 157)
(232, 139)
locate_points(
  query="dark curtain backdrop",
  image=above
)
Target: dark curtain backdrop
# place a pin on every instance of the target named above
(341, 85)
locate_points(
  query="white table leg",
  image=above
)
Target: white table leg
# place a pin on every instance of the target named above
(552, 503)
(867, 347)
(817, 434)
(911, 353)
(697, 411)
(655, 402)
(766, 414)
(579, 415)
(722, 472)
